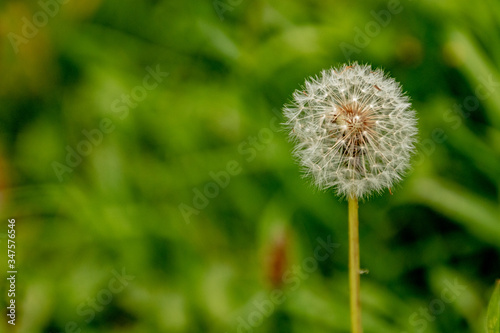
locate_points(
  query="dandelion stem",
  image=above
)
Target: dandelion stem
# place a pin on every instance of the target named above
(354, 271)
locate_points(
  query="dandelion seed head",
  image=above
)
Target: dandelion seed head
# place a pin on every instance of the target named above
(354, 130)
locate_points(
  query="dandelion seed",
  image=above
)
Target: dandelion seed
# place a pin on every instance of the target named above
(365, 144)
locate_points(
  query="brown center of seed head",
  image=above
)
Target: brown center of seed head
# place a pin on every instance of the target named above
(356, 124)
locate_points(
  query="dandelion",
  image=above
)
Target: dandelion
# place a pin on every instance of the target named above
(354, 132)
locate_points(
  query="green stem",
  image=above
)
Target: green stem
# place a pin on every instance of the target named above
(354, 271)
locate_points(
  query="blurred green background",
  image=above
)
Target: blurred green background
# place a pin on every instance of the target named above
(183, 186)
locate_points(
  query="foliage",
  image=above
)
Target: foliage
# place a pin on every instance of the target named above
(191, 188)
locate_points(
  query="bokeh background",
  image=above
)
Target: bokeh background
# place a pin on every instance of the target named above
(243, 258)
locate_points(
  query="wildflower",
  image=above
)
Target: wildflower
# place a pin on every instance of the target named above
(354, 130)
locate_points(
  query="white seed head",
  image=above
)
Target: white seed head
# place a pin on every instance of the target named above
(354, 130)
